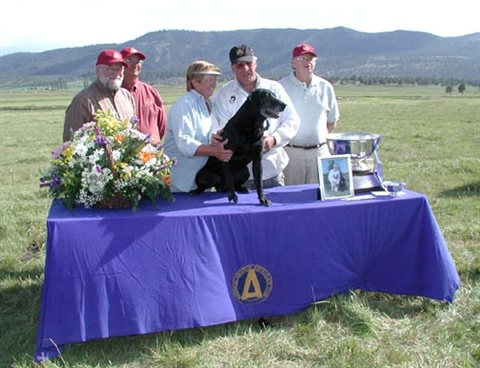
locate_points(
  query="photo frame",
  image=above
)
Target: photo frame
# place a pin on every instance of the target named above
(335, 177)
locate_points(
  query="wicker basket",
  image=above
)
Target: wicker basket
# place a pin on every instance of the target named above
(118, 200)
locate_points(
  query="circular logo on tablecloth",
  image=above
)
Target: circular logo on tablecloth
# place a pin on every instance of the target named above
(252, 284)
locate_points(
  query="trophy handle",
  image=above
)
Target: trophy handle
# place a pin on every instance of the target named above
(377, 143)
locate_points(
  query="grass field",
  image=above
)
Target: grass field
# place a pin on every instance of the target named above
(431, 141)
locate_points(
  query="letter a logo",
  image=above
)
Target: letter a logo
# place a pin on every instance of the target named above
(251, 289)
(252, 284)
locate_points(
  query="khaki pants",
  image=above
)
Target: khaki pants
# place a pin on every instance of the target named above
(276, 181)
(302, 167)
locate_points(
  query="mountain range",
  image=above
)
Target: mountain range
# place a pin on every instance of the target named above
(343, 53)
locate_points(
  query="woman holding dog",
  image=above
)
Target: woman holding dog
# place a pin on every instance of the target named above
(189, 127)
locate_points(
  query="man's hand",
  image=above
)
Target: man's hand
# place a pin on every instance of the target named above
(221, 153)
(268, 143)
(217, 138)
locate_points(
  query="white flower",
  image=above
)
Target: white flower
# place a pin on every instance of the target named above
(117, 154)
(96, 155)
(80, 149)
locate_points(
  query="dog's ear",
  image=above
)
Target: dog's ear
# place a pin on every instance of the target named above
(267, 94)
(254, 96)
(271, 94)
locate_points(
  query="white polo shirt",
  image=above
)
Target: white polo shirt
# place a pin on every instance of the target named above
(316, 105)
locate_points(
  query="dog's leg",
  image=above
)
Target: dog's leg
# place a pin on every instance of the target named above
(205, 179)
(199, 190)
(240, 177)
(229, 184)
(257, 178)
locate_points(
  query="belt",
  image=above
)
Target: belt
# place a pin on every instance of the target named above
(314, 146)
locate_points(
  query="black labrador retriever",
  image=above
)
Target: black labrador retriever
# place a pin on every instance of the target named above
(244, 132)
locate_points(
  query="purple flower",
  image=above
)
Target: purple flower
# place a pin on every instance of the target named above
(160, 168)
(56, 181)
(99, 169)
(101, 139)
(134, 120)
(53, 184)
(57, 153)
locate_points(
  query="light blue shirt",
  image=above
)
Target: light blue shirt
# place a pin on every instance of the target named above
(316, 105)
(189, 126)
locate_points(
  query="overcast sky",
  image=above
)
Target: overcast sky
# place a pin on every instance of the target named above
(39, 25)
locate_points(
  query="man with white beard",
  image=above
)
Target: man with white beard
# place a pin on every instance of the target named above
(105, 94)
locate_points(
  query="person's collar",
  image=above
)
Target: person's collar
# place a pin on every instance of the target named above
(297, 81)
(197, 95)
(257, 81)
(201, 99)
(130, 86)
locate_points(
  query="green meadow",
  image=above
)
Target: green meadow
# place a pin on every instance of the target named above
(430, 140)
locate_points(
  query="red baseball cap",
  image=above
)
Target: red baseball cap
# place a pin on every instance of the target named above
(302, 49)
(108, 57)
(129, 51)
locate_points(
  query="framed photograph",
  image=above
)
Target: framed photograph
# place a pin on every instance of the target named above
(335, 177)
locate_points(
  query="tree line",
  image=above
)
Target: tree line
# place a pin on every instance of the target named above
(415, 81)
(449, 83)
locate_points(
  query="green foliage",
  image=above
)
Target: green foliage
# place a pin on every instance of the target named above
(399, 57)
(430, 141)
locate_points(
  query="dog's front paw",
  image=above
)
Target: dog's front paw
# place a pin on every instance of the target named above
(233, 197)
(265, 201)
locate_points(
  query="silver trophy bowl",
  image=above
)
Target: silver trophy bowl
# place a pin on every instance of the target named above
(357, 145)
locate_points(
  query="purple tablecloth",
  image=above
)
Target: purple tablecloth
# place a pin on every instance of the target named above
(201, 261)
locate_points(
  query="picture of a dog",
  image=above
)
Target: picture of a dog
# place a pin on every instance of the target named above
(342, 186)
(244, 132)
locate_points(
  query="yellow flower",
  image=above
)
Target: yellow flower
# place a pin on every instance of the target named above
(124, 170)
(68, 153)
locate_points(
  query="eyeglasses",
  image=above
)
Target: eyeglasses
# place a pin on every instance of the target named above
(242, 65)
(133, 61)
(306, 58)
(112, 68)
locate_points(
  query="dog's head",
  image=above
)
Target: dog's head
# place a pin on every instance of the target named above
(270, 105)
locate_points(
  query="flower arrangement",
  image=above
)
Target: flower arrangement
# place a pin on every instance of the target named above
(108, 163)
